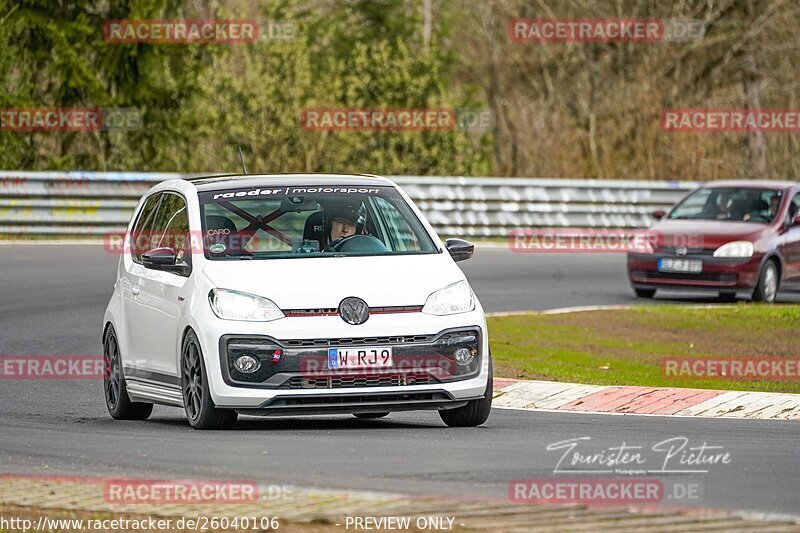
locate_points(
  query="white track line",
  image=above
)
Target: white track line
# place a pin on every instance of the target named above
(585, 308)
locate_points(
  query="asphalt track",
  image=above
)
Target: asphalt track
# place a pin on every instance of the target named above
(52, 302)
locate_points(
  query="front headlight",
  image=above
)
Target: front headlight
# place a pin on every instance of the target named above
(455, 298)
(735, 249)
(235, 305)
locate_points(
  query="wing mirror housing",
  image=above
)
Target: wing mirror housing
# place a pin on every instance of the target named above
(460, 250)
(164, 259)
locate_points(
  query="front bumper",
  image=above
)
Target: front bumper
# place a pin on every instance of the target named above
(717, 273)
(303, 363)
(361, 402)
(288, 391)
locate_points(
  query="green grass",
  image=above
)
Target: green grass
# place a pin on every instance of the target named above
(625, 347)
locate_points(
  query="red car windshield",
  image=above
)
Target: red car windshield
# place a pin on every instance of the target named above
(741, 204)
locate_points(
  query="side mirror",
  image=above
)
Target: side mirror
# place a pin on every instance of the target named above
(459, 249)
(163, 259)
(658, 214)
(795, 221)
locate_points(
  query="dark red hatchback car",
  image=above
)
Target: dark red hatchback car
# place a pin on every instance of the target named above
(726, 236)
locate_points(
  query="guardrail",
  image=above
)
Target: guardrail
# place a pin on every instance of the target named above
(94, 203)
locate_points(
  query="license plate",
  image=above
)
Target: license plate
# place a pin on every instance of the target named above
(692, 266)
(362, 357)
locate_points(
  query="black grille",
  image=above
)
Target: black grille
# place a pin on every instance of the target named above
(684, 275)
(357, 341)
(310, 312)
(346, 382)
(689, 251)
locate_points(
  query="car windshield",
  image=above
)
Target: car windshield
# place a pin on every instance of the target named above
(279, 222)
(742, 204)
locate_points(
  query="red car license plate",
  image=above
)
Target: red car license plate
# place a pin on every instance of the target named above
(689, 266)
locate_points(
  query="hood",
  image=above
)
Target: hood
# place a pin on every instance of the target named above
(705, 233)
(323, 282)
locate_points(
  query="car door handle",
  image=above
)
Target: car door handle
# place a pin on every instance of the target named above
(135, 291)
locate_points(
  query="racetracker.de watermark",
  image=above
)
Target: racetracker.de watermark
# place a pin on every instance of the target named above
(587, 240)
(71, 119)
(366, 365)
(161, 492)
(183, 243)
(733, 368)
(606, 491)
(53, 367)
(642, 30)
(188, 31)
(730, 120)
(129, 490)
(400, 119)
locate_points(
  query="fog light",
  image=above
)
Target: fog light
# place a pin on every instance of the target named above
(246, 364)
(463, 356)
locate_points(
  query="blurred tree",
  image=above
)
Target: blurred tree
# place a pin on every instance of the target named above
(570, 109)
(345, 55)
(55, 56)
(593, 109)
(199, 101)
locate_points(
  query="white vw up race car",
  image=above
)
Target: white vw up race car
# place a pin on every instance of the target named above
(292, 294)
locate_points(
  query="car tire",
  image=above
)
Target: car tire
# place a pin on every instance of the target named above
(118, 403)
(768, 282)
(645, 293)
(475, 412)
(197, 402)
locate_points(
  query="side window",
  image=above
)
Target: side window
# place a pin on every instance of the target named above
(794, 208)
(140, 234)
(171, 227)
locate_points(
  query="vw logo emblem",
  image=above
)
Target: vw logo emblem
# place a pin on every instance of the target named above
(681, 250)
(354, 310)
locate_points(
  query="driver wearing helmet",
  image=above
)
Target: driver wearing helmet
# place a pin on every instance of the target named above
(342, 220)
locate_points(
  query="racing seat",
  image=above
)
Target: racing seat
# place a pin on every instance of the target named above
(218, 222)
(314, 229)
(221, 230)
